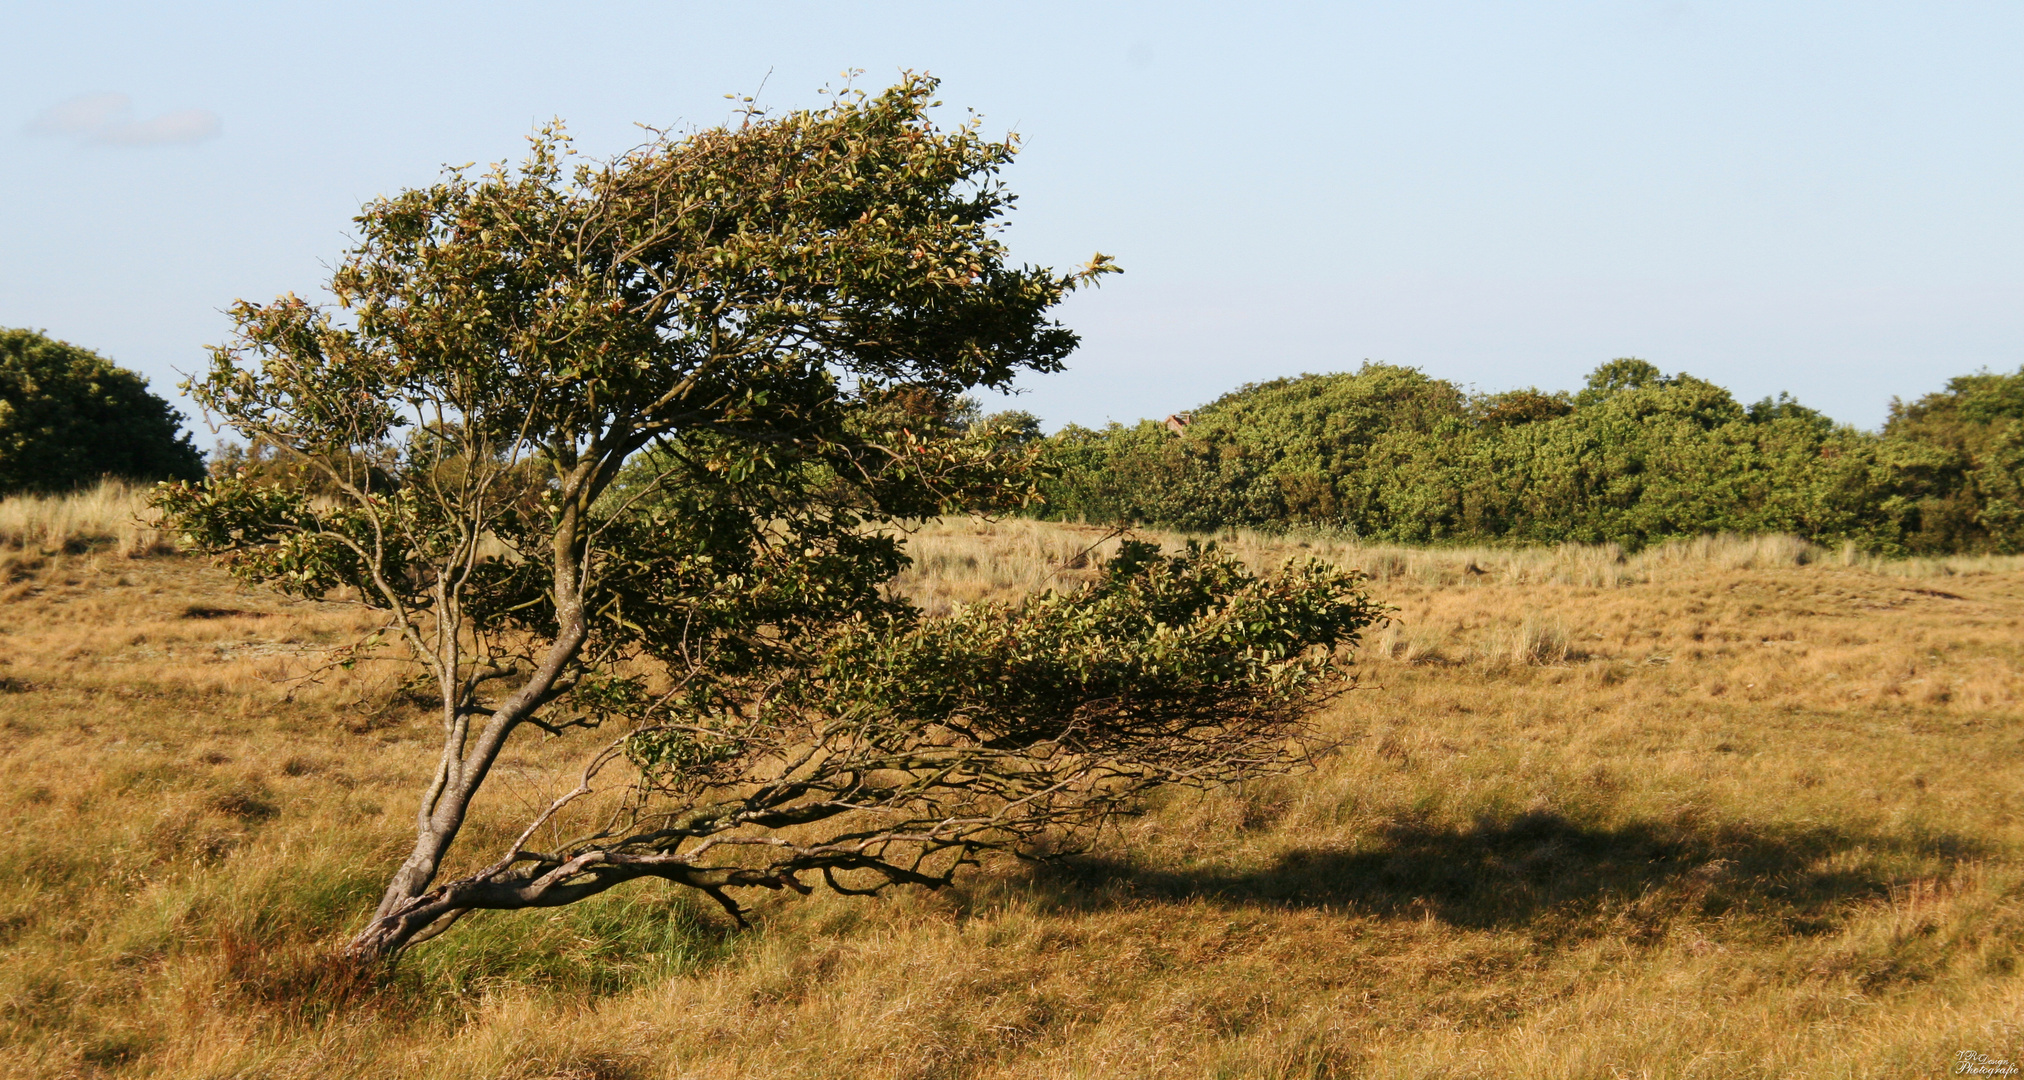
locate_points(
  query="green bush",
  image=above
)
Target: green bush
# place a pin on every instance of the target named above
(1961, 452)
(69, 417)
(1636, 457)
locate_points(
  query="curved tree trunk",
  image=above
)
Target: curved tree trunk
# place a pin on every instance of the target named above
(397, 922)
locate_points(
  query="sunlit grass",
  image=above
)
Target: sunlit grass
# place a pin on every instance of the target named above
(1740, 807)
(113, 515)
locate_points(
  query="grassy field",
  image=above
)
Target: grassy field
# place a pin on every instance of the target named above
(1738, 808)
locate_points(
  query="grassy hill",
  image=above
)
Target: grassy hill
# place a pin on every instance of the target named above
(1723, 808)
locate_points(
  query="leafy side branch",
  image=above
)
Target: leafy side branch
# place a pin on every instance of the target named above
(907, 745)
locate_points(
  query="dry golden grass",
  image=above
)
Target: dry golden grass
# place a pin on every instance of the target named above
(113, 515)
(1738, 808)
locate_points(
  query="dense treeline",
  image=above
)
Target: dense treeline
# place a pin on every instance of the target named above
(1638, 456)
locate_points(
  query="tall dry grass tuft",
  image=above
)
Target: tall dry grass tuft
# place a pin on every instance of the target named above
(1930, 566)
(966, 561)
(1604, 566)
(1537, 640)
(113, 515)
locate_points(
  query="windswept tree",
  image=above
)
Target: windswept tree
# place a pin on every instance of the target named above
(621, 449)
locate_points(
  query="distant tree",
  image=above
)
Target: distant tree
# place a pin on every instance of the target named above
(1770, 410)
(1623, 373)
(69, 417)
(1014, 426)
(1348, 450)
(1525, 406)
(624, 446)
(1960, 456)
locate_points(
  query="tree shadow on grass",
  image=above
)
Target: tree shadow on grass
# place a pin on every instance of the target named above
(1548, 874)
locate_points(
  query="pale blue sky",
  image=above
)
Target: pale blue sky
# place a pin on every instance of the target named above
(1817, 198)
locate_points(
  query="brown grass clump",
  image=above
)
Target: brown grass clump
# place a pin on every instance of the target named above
(1736, 808)
(113, 516)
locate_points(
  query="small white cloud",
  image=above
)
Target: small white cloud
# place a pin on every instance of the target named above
(181, 126)
(108, 119)
(81, 115)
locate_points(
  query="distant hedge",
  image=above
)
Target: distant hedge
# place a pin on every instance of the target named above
(69, 416)
(1636, 457)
